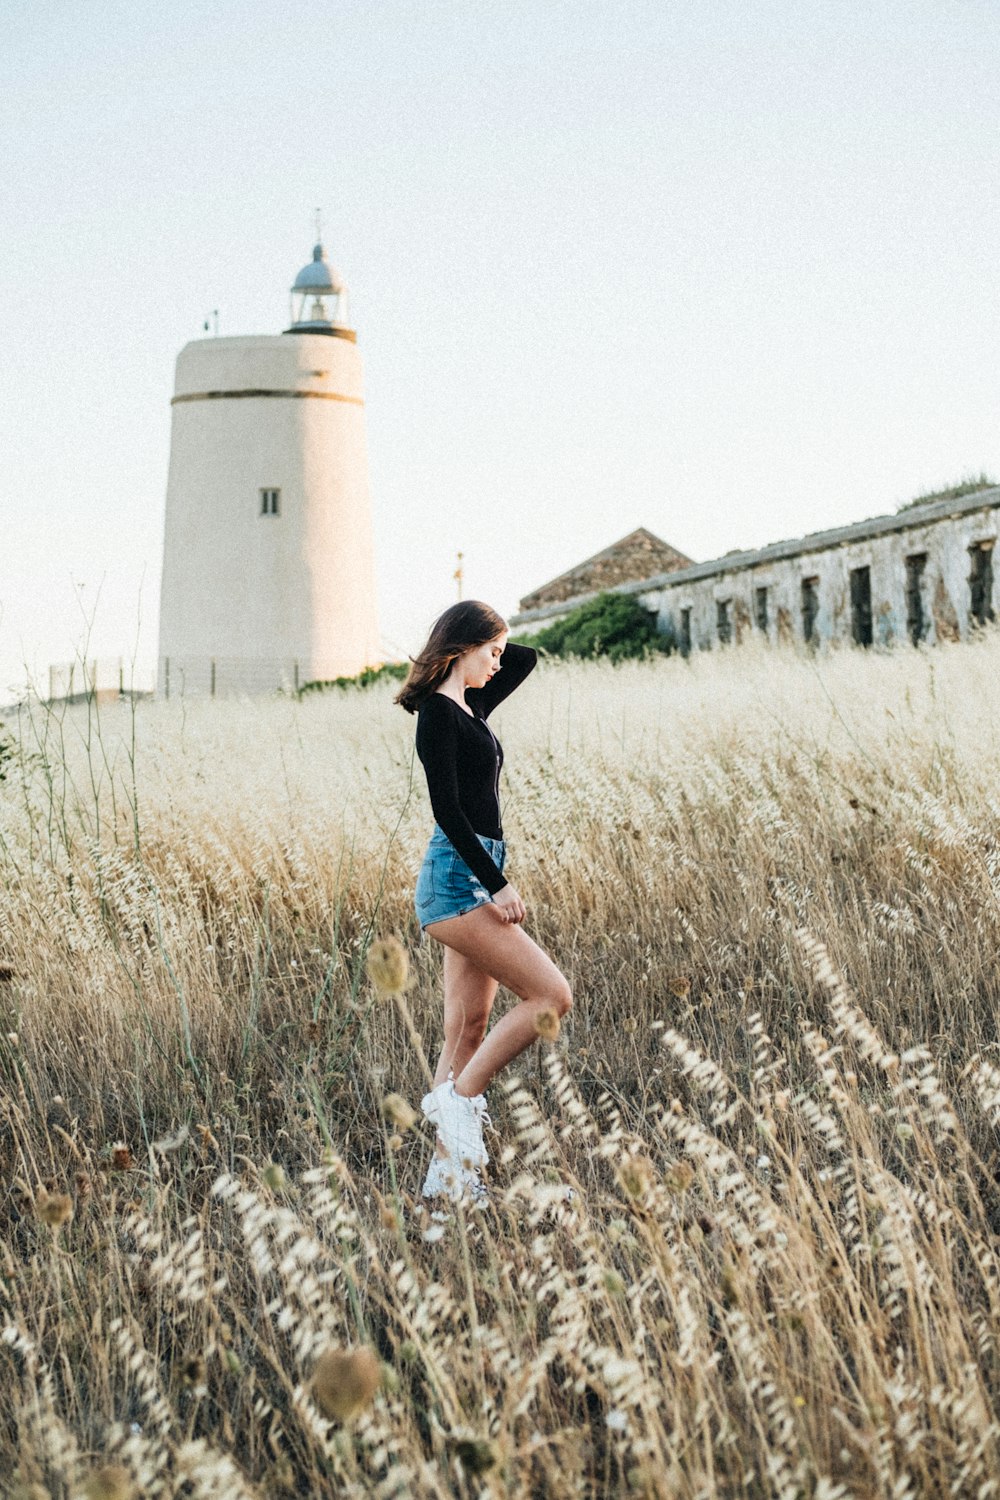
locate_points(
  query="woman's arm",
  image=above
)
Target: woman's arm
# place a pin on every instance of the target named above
(515, 664)
(437, 746)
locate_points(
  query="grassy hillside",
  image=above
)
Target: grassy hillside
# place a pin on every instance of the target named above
(773, 882)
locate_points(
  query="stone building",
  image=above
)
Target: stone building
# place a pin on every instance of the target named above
(637, 556)
(923, 574)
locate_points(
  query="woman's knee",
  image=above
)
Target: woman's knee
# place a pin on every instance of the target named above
(562, 997)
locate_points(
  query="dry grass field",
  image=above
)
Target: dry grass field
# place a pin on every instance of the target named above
(773, 882)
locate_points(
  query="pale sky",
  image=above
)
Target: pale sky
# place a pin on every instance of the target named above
(723, 268)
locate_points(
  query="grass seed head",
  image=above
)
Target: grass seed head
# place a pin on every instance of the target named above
(109, 1482)
(547, 1024)
(387, 966)
(344, 1382)
(398, 1112)
(122, 1159)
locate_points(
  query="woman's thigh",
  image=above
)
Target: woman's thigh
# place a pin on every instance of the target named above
(503, 950)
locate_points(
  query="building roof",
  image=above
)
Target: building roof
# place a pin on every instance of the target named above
(318, 277)
(911, 518)
(635, 556)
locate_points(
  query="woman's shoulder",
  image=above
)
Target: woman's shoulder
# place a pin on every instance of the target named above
(438, 708)
(433, 703)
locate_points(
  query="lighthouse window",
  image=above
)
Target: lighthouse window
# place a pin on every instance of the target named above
(269, 502)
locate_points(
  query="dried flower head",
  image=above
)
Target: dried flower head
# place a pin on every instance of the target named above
(312, 1032)
(680, 986)
(54, 1209)
(122, 1159)
(636, 1176)
(547, 1024)
(193, 1370)
(398, 1112)
(273, 1177)
(388, 966)
(109, 1482)
(476, 1455)
(678, 1177)
(344, 1382)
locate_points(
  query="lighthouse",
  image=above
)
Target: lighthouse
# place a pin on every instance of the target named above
(268, 562)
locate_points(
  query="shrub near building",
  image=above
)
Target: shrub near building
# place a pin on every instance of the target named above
(612, 625)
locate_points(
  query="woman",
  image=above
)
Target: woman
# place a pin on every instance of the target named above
(463, 898)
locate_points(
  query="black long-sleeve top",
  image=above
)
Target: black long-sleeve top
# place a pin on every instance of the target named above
(462, 758)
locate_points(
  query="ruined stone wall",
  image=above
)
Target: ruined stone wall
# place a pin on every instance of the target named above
(938, 605)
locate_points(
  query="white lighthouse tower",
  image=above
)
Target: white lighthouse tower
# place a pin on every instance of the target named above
(268, 567)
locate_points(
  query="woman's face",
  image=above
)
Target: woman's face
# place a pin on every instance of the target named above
(481, 662)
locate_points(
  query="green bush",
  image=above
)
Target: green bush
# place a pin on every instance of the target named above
(612, 625)
(367, 678)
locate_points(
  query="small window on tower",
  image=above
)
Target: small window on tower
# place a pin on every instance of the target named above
(270, 501)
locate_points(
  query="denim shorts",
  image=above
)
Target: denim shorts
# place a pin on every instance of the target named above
(446, 887)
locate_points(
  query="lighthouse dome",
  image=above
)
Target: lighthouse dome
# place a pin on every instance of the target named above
(318, 278)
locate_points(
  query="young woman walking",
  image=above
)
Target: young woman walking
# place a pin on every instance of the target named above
(463, 898)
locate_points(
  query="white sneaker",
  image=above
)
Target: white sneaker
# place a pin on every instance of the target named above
(460, 1123)
(444, 1180)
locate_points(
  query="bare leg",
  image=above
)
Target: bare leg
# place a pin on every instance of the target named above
(505, 951)
(469, 994)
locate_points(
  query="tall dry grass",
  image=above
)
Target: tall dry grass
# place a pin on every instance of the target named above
(773, 882)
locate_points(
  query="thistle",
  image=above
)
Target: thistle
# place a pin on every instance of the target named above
(109, 1482)
(387, 966)
(54, 1209)
(547, 1024)
(344, 1382)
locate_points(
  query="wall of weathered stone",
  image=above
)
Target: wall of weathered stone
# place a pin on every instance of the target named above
(944, 587)
(704, 605)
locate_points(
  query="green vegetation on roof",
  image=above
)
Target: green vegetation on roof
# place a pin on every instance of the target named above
(970, 485)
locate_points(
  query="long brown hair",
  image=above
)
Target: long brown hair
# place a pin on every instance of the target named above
(462, 627)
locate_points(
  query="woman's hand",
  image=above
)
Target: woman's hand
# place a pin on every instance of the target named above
(509, 904)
